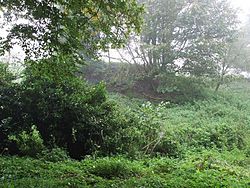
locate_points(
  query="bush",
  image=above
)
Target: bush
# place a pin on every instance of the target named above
(54, 155)
(6, 91)
(219, 122)
(67, 112)
(70, 114)
(111, 168)
(30, 144)
(183, 89)
(6, 76)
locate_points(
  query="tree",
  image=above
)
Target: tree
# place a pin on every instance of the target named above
(206, 28)
(158, 33)
(239, 54)
(66, 111)
(184, 38)
(80, 27)
(6, 76)
(236, 56)
(194, 33)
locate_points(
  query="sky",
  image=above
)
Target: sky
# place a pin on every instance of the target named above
(243, 6)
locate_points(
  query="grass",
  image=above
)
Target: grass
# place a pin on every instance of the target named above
(203, 144)
(208, 168)
(221, 121)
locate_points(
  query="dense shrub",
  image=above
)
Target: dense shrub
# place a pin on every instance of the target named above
(66, 111)
(30, 144)
(220, 122)
(6, 77)
(182, 88)
(6, 89)
(54, 155)
(70, 114)
(111, 168)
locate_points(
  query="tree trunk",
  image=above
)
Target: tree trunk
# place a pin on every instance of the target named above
(219, 84)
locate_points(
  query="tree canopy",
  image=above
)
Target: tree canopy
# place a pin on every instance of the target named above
(206, 28)
(79, 27)
(193, 33)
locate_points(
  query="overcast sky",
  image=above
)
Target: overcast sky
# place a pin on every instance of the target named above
(244, 6)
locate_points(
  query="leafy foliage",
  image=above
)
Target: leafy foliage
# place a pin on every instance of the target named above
(6, 76)
(207, 141)
(218, 122)
(77, 27)
(202, 169)
(67, 112)
(72, 115)
(111, 168)
(191, 36)
(54, 155)
(29, 144)
(52, 115)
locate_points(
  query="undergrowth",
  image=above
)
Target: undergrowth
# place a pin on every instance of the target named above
(208, 168)
(205, 143)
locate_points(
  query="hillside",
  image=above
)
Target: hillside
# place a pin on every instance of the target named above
(204, 144)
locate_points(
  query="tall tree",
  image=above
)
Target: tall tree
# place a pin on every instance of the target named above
(236, 57)
(79, 27)
(193, 34)
(239, 54)
(159, 33)
(206, 28)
